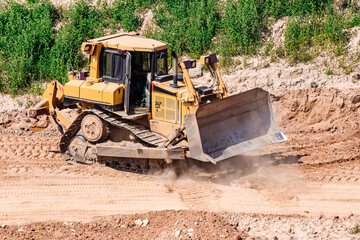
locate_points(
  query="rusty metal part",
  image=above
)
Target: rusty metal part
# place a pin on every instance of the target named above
(176, 136)
(136, 165)
(231, 126)
(73, 146)
(93, 128)
(81, 151)
(40, 108)
(55, 122)
(128, 165)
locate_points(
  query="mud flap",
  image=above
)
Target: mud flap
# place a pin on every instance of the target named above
(232, 126)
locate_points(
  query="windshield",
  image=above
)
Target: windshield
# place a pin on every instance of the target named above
(161, 63)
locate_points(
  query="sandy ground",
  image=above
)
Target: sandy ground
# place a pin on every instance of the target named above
(308, 187)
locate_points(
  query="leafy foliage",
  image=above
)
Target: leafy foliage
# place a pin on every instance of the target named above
(123, 12)
(38, 41)
(26, 37)
(355, 229)
(303, 32)
(188, 25)
(82, 21)
(242, 26)
(278, 8)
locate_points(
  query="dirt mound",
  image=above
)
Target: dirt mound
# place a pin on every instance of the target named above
(277, 77)
(322, 124)
(158, 225)
(189, 225)
(318, 110)
(14, 122)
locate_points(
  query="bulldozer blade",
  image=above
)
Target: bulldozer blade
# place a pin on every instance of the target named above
(231, 126)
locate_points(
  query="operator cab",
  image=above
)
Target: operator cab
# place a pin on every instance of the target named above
(144, 67)
(132, 63)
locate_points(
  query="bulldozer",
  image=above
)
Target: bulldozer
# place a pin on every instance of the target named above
(128, 112)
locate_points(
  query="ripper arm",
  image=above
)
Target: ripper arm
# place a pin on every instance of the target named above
(51, 103)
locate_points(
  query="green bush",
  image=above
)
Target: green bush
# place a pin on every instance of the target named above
(38, 42)
(305, 32)
(123, 12)
(355, 229)
(242, 26)
(26, 38)
(81, 22)
(245, 21)
(188, 25)
(278, 8)
(31, 50)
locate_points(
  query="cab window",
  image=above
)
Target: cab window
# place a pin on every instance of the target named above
(113, 65)
(142, 61)
(107, 64)
(161, 63)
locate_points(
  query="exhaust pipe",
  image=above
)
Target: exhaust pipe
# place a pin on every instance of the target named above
(175, 78)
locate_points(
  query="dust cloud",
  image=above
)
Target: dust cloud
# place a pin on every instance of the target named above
(268, 179)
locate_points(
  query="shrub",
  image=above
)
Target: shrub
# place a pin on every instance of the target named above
(26, 38)
(305, 32)
(355, 229)
(279, 8)
(123, 12)
(81, 22)
(329, 72)
(188, 25)
(242, 27)
(31, 50)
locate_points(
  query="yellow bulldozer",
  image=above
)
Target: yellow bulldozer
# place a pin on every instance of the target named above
(128, 112)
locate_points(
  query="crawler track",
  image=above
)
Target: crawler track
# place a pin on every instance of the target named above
(144, 135)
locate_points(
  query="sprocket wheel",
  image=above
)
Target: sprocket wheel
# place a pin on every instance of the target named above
(93, 128)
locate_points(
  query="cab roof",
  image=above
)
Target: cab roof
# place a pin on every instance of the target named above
(130, 42)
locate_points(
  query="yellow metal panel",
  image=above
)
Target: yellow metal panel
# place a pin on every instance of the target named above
(170, 103)
(166, 86)
(170, 115)
(130, 48)
(92, 92)
(164, 107)
(159, 110)
(162, 128)
(119, 95)
(72, 88)
(62, 118)
(95, 62)
(131, 42)
(185, 109)
(113, 94)
(108, 93)
(202, 60)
